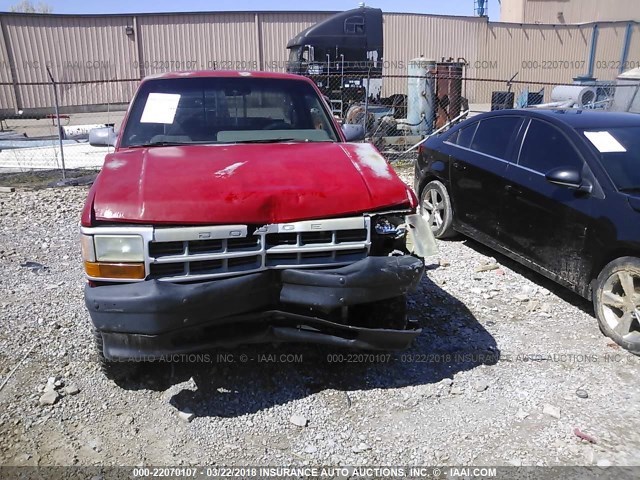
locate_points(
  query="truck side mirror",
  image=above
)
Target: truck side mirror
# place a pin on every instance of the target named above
(353, 132)
(102, 137)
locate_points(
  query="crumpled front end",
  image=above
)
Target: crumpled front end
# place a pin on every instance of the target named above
(318, 281)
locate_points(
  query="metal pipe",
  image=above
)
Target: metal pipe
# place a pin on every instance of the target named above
(594, 48)
(625, 48)
(55, 99)
(342, 83)
(328, 73)
(366, 99)
(442, 128)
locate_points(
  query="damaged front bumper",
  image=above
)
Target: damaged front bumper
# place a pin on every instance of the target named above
(152, 319)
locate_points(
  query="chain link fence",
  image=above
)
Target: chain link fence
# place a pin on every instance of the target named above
(396, 111)
(398, 122)
(32, 141)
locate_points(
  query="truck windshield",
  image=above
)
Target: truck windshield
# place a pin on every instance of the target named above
(294, 54)
(176, 111)
(619, 152)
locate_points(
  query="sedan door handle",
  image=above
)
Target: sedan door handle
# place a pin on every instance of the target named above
(459, 166)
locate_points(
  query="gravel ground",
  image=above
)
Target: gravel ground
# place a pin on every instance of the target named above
(507, 367)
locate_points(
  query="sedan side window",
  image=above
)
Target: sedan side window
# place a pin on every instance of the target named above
(463, 136)
(494, 136)
(545, 148)
(466, 135)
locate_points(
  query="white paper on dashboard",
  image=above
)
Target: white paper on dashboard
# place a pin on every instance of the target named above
(605, 142)
(160, 108)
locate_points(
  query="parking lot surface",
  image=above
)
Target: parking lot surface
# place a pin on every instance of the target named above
(510, 370)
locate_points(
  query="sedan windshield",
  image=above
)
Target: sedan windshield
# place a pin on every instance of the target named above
(184, 111)
(619, 152)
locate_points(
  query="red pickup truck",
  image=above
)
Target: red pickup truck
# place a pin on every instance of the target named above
(233, 211)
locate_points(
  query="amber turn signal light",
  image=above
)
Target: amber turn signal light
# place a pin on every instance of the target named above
(128, 271)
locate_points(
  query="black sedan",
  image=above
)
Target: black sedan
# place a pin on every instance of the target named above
(558, 191)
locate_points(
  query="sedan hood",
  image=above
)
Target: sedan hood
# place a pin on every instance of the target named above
(245, 183)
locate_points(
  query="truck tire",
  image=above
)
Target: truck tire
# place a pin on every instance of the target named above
(112, 370)
(435, 208)
(616, 300)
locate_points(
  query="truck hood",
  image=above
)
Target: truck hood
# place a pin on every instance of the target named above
(245, 183)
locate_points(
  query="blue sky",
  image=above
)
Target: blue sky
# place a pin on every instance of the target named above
(443, 7)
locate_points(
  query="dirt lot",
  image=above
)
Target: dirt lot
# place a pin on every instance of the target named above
(507, 367)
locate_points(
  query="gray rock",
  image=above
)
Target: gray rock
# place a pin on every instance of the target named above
(521, 414)
(298, 420)
(186, 415)
(456, 391)
(546, 307)
(487, 267)
(603, 463)
(48, 398)
(310, 449)
(551, 411)
(71, 389)
(51, 384)
(582, 393)
(481, 386)
(361, 447)
(521, 297)
(447, 382)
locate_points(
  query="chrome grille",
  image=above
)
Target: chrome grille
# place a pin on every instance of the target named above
(182, 254)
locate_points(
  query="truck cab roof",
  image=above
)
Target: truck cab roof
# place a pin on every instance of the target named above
(363, 22)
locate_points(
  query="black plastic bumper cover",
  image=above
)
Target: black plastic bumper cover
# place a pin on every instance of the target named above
(154, 318)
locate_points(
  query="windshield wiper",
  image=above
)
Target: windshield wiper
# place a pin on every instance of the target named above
(159, 144)
(167, 143)
(279, 140)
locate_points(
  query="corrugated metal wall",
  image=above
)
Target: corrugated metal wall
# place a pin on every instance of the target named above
(634, 50)
(190, 42)
(84, 48)
(610, 42)
(75, 49)
(577, 11)
(408, 36)
(512, 11)
(7, 94)
(277, 29)
(537, 53)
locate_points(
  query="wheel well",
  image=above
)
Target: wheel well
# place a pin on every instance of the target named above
(607, 259)
(424, 181)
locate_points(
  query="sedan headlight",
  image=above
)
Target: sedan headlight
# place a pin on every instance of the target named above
(119, 248)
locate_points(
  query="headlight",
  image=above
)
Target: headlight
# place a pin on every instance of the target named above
(119, 248)
(113, 256)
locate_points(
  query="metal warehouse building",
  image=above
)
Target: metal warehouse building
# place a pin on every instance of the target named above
(100, 58)
(568, 11)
